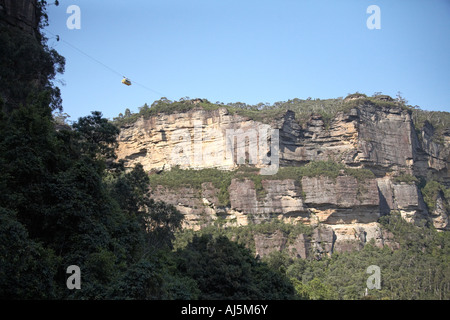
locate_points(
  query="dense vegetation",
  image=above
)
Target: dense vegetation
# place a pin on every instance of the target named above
(243, 235)
(431, 191)
(420, 269)
(263, 112)
(63, 201)
(224, 269)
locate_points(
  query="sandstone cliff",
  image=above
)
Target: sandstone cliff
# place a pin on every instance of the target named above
(381, 138)
(22, 14)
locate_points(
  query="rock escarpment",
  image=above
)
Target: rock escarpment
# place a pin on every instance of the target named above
(381, 138)
(22, 14)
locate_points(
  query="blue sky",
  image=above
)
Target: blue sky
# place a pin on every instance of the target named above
(250, 51)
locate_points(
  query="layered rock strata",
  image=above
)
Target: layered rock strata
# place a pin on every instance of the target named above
(380, 138)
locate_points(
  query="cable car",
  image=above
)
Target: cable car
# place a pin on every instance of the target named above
(126, 81)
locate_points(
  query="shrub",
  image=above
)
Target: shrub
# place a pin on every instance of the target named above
(431, 191)
(355, 95)
(406, 178)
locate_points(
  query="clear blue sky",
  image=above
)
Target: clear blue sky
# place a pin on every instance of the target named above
(251, 51)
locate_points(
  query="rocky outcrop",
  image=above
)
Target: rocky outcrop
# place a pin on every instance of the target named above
(22, 14)
(314, 140)
(280, 197)
(319, 243)
(440, 214)
(337, 205)
(268, 243)
(342, 201)
(344, 210)
(432, 154)
(403, 197)
(385, 136)
(189, 139)
(196, 139)
(380, 138)
(323, 241)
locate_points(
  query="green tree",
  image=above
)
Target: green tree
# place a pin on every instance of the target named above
(26, 267)
(64, 201)
(314, 290)
(226, 270)
(97, 136)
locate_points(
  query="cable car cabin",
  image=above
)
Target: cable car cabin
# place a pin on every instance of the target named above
(126, 81)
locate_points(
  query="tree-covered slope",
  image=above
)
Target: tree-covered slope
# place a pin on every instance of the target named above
(64, 202)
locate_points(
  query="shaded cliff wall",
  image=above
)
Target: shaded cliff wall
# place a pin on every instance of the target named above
(22, 14)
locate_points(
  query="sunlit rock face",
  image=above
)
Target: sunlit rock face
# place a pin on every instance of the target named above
(343, 210)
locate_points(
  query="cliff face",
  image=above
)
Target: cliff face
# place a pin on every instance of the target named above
(349, 214)
(380, 138)
(22, 14)
(345, 209)
(26, 63)
(194, 139)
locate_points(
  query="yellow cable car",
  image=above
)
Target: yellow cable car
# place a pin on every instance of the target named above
(126, 81)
